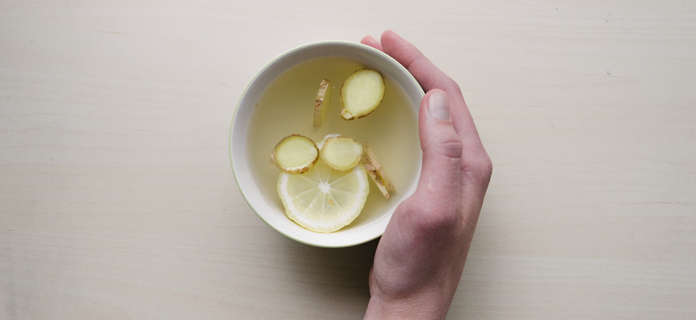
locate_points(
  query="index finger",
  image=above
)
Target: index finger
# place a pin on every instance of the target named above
(431, 77)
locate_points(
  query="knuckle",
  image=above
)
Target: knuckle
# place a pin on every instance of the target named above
(451, 148)
(454, 86)
(481, 168)
(484, 168)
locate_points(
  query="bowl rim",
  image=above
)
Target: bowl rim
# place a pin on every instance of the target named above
(283, 56)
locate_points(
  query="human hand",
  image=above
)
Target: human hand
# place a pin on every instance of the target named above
(420, 258)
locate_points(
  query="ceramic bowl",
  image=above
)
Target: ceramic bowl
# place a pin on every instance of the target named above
(271, 212)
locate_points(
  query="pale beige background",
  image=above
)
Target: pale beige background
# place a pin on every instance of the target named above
(117, 200)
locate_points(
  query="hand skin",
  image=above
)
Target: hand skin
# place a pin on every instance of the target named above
(420, 258)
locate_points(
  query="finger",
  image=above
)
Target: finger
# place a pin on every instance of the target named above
(427, 74)
(439, 182)
(431, 77)
(370, 41)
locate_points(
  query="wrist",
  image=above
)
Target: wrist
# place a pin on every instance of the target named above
(422, 306)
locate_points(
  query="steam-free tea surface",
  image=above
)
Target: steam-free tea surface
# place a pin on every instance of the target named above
(287, 107)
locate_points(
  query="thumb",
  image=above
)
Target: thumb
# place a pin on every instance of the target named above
(442, 151)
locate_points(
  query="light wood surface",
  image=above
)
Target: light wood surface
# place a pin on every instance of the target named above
(117, 200)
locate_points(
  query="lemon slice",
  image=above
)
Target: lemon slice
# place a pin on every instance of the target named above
(324, 199)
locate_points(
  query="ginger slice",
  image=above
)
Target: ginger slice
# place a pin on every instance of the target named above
(322, 102)
(341, 153)
(361, 93)
(372, 172)
(372, 159)
(320, 145)
(295, 154)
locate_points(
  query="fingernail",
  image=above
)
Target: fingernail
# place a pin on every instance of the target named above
(438, 106)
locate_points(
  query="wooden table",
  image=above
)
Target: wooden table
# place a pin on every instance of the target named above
(117, 200)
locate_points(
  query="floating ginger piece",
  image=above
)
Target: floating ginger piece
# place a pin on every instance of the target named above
(322, 102)
(372, 172)
(362, 92)
(295, 154)
(341, 153)
(376, 171)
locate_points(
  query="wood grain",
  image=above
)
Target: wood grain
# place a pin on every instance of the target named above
(117, 200)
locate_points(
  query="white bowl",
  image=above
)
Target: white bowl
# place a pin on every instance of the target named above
(271, 213)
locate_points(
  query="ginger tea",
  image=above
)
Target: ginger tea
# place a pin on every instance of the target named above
(287, 106)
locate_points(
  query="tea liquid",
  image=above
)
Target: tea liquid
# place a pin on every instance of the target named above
(287, 106)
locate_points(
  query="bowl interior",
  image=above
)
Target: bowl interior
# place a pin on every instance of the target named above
(361, 230)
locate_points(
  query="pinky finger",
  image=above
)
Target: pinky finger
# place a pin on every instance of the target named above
(370, 41)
